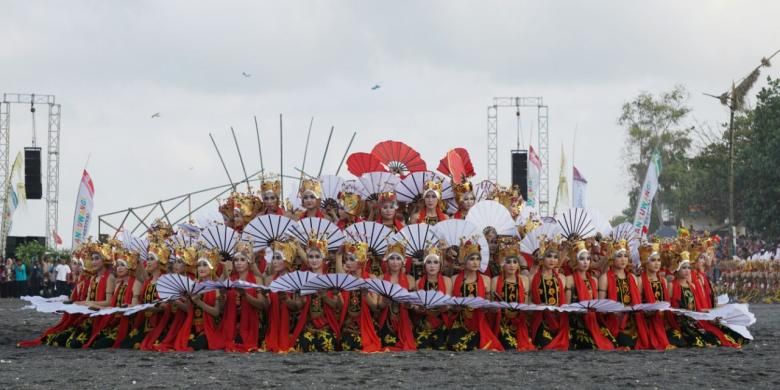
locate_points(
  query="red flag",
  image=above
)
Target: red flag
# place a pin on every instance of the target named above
(57, 238)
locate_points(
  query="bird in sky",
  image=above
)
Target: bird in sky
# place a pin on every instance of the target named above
(375, 87)
(156, 115)
(245, 74)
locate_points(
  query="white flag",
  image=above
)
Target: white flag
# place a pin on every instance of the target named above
(84, 202)
(579, 184)
(646, 195)
(534, 178)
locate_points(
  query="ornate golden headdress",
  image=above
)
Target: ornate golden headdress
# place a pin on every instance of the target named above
(129, 259)
(351, 201)
(244, 248)
(288, 250)
(398, 247)
(510, 198)
(386, 196)
(273, 186)
(320, 244)
(159, 251)
(310, 185)
(357, 249)
(432, 185)
(462, 189)
(159, 231)
(210, 257)
(243, 206)
(189, 255)
(433, 250)
(468, 247)
(648, 250)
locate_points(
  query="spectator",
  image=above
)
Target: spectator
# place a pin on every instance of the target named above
(20, 276)
(35, 278)
(3, 281)
(62, 275)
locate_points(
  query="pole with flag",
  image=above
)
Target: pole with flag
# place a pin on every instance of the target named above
(579, 185)
(562, 197)
(646, 194)
(83, 214)
(534, 177)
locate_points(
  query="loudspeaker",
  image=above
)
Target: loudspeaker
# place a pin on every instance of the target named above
(520, 171)
(32, 173)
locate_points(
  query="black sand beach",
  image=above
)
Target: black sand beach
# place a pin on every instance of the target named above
(755, 366)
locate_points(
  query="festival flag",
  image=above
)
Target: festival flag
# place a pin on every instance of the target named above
(562, 197)
(57, 238)
(83, 214)
(534, 177)
(646, 195)
(579, 184)
(16, 195)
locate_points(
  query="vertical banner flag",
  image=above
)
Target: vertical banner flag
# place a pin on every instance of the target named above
(534, 177)
(579, 184)
(84, 202)
(562, 197)
(646, 195)
(16, 193)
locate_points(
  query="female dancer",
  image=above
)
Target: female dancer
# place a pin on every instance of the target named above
(585, 332)
(357, 325)
(110, 330)
(464, 196)
(430, 326)
(432, 212)
(630, 330)
(183, 264)
(470, 329)
(654, 290)
(101, 288)
(241, 322)
(310, 193)
(200, 330)
(511, 327)
(282, 312)
(549, 330)
(317, 327)
(392, 318)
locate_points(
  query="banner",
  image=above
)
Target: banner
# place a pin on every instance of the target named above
(16, 194)
(562, 197)
(646, 195)
(534, 178)
(83, 214)
(579, 184)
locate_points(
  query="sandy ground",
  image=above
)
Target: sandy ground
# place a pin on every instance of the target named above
(755, 366)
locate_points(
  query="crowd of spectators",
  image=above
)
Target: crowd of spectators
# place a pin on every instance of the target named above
(46, 277)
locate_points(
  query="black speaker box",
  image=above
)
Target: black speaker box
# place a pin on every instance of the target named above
(520, 171)
(32, 173)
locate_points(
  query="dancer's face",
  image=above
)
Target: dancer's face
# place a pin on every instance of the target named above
(388, 210)
(432, 265)
(583, 261)
(431, 200)
(310, 201)
(472, 262)
(314, 259)
(467, 201)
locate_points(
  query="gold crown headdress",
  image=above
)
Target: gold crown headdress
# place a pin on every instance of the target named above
(159, 252)
(510, 198)
(129, 259)
(433, 250)
(209, 256)
(649, 250)
(432, 185)
(462, 189)
(288, 250)
(159, 231)
(397, 247)
(188, 254)
(320, 244)
(357, 249)
(273, 186)
(310, 185)
(244, 248)
(468, 247)
(350, 200)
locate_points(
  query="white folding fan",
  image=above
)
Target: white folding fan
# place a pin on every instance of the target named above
(139, 246)
(417, 238)
(331, 186)
(576, 224)
(265, 229)
(532, 240)
(221, 238)
(372, 233)
(452, 231)
(485, 190)
(429, 299)
(209, 216)
(320, 228)
(657, 306)
(375, 182)
(600, 222)
(473, 303)
(410, 189)
(599, 305)
(387, 289)
(172, 286)
(336, 281)
(291, 281)
(493, 214)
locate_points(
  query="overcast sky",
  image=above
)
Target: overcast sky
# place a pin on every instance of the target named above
(113, 64)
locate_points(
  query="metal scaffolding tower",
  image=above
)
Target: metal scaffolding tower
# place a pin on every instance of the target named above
(53, 160)
(543, 141)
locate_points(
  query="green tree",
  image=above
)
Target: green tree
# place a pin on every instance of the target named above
(758, 169)
(29, 251)
(656, 123)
